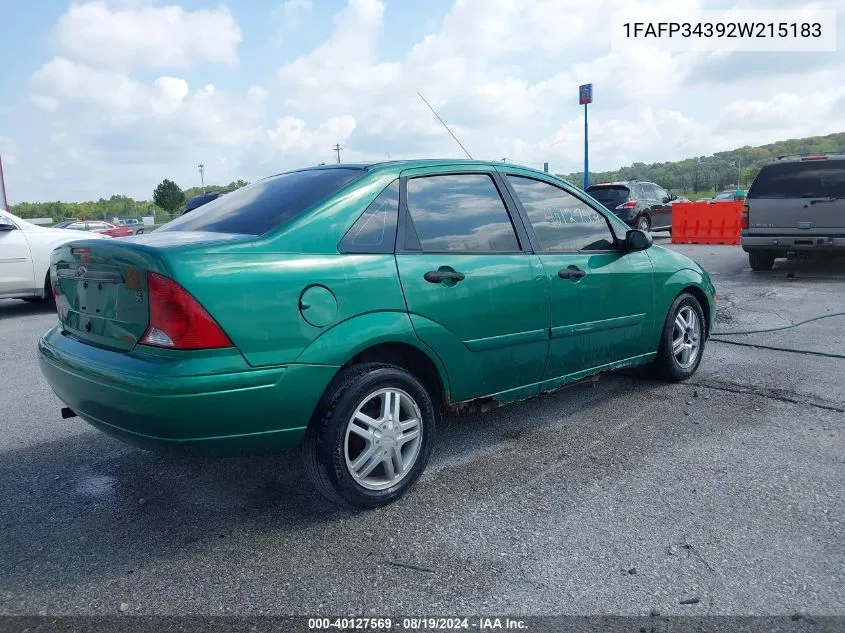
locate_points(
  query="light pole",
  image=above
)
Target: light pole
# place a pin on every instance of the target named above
(201, 167)
(585, 96)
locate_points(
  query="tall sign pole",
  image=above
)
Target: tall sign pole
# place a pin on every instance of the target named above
(585, 96)
(4, 202)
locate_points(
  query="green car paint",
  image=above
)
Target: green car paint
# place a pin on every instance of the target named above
(297, 309)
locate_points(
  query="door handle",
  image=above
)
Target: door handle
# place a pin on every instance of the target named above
(571, 273)
(439, 276)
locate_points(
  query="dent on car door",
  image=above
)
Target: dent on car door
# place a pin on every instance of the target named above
(16, 274)
(602, 298)
(473, 294)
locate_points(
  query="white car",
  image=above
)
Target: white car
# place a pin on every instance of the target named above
(25, 256)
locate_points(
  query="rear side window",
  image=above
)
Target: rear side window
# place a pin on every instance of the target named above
(610, 196)
(812, 179)
(461, 212)
(266, 204)
(375, 230)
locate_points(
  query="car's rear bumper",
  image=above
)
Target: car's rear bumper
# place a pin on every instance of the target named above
(784, 243)
(214, 405)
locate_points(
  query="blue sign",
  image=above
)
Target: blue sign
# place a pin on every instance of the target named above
(585, 94)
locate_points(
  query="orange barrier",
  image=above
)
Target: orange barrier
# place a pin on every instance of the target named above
(706, 222)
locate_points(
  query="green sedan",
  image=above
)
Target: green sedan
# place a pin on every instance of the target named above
(340, 309)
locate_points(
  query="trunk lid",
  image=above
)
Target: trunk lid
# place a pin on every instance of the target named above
(101, 285)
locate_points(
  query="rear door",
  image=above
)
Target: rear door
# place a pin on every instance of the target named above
(474, 293)
(798, 197)
(602, 299)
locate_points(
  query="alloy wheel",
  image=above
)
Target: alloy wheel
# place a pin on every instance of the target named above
(686, 337)
(383, 439)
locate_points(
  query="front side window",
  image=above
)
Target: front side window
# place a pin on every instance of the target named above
(460, 212)
(561, 221)
(375, 230)
(266, 204)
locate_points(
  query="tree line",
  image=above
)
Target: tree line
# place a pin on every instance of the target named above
(120, 206)
(709, 174)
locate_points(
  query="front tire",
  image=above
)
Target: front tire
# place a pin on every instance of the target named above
(682, 341)
(761, 261)
(371, 436)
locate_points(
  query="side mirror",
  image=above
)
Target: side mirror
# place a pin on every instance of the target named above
(4, 226)
(636, 240)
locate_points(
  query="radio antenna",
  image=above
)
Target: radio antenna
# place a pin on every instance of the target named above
(444, 124)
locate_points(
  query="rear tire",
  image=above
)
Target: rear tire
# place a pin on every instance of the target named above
(682, 341)
(761, 260)
(362, 448)
(644, 224)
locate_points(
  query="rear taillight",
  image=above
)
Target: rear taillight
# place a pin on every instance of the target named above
(743, 217)
(628, 205)
(177, 320)
(803, 158)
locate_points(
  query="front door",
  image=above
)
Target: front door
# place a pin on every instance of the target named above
(602, 299)
(16, 272)
(474, 295)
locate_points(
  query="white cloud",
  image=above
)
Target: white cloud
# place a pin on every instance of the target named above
(345, 64)
(74, 81)
(292, 134)
(502, 73)
(147, 35)
(798, 113)
(293, 8)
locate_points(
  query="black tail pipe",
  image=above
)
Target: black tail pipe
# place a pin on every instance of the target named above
(67, 412)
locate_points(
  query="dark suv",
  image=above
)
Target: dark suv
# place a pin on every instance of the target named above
(796, 203)
(641, 205)
(198, 201)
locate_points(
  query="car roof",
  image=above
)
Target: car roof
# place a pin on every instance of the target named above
(399, 165)
(797, 158)
(621, 183)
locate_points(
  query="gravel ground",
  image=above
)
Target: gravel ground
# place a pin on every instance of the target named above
(618, 498)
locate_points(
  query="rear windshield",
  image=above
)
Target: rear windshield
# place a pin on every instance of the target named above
(266, 204)
(815, 179)
(610, 196)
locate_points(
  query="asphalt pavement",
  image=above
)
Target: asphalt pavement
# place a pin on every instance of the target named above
(615, 498)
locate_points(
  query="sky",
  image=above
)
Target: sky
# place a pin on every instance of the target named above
(103, 97)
